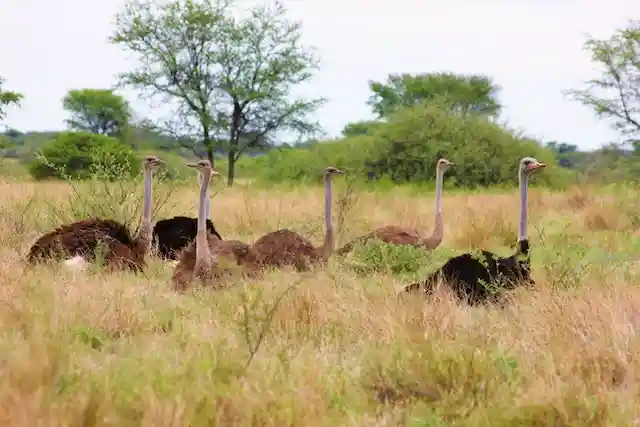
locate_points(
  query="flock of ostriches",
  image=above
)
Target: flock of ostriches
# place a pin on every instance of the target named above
(203, 256)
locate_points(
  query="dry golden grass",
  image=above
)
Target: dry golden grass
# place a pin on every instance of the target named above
(329, 347)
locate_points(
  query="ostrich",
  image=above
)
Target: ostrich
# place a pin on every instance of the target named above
(473, 275)
(81, 239)
(173, 234)
(286, 247)
(205, 257)
(395, 235)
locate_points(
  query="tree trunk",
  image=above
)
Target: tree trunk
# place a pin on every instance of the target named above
(210, 155)
(231, 157)
(234, 139)
(206, 140)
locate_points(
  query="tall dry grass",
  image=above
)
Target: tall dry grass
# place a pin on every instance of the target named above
(329, 347)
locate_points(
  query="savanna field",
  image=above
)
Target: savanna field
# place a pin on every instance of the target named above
(334, 346)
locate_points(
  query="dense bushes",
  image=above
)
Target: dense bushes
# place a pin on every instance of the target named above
(402, 149)
(405, 149)
(79, 155)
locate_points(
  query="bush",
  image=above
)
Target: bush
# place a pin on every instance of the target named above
(405, 149)
(80, 155)
(375, 256)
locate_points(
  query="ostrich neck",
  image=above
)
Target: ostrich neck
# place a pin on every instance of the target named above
(439, 178)
(524, 181)
(208, 203)
(208, 198)
(327, 247)
(203, 253)
(438, 228)
(145, 230)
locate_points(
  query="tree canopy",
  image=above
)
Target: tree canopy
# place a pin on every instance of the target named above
(98, 111)
(8, 98)
(229, 79)
(615, 95)
(462, 94)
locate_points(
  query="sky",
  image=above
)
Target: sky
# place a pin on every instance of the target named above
(532, 48)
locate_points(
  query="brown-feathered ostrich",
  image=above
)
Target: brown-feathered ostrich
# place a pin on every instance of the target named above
(286, 247)
(80, 240)
(475, 278)
(171, 235)
(208, 258)
(395, 235)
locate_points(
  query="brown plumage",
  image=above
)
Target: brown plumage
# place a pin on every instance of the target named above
(207, 258)
(85, 238)
(228, 258)
(286, 247)
(396, 235)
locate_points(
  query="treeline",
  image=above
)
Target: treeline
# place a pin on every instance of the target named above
(231, 81)
(400, 147)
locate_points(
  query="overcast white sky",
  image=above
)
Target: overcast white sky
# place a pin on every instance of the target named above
(533, 49)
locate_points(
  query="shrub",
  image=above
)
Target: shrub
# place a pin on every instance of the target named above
(79, 155)
(405, 149)
(375, 256)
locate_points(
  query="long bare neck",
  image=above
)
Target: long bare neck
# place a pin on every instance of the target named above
(207, 203)
(522, 228)
(438, 230)
(203, 254)
(145, 230)
(208, 199)
(327, 247)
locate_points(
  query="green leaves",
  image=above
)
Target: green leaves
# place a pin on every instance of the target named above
(462, 94)
(615, 95)
(98, 111)
(8, 98)
(81, 155)
(230, 79)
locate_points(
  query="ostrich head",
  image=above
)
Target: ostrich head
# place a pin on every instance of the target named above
(152, 163)
(443, 165)
(204, 167)
(330, 170)
(530, 164)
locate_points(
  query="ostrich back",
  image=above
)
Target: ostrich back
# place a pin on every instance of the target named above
(286, 247)
(173, 234)
(80, 238)
(222, 252)
(390, 234)
(123, 257)
(475, 278)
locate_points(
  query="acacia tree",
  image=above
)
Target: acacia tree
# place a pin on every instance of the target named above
(462, 94)
(98, 111)
(8, 98)
(615, 95)
(230, 79)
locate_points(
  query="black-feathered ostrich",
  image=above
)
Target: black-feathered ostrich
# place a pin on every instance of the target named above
(78, 242)
(171, 235)
(207, 258)
(472, 276)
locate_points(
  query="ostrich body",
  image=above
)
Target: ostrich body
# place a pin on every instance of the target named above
(396, 235)
(80, 240)
(286, 247)
(174, 234)
(472, 276)
(171, 235)
(207, 257)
